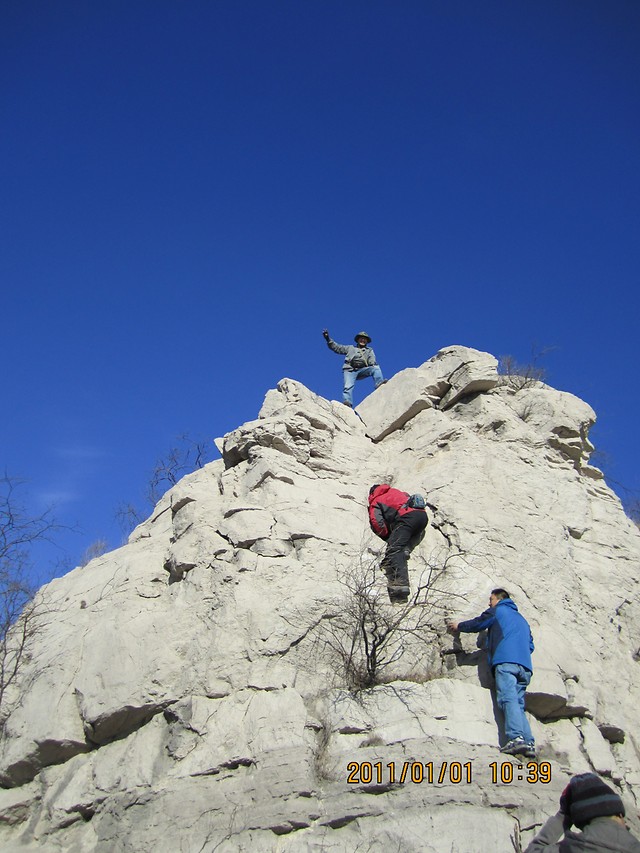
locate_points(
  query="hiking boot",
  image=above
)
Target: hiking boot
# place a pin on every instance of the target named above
(515, 746)
(529, 750)
(398, 593)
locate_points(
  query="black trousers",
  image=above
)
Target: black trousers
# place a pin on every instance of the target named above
(406, 533)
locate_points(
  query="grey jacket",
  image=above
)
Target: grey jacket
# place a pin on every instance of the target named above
(601, 835)
(355, 357)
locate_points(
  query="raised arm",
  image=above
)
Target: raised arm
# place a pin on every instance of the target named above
(341, 349)
(546, 841)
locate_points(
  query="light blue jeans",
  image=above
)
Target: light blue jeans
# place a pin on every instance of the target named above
(512, 681)
(350, 376)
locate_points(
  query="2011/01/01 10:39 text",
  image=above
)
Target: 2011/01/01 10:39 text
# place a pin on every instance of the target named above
(454, 772)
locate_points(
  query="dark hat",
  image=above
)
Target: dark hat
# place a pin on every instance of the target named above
(362, 335)
(591, 798)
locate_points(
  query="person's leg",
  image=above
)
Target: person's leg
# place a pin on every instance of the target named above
(349, 380)
(395, 560)
(506, 675)
(419, 521)
(401, 542)
(374, 371)
(523, 679)
(378, 378)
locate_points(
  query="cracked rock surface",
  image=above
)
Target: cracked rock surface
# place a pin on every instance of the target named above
(179, 694)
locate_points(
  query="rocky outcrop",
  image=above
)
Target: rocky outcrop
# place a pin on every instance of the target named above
(183, 692)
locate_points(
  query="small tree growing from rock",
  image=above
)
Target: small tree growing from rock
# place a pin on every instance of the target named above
(184, 456)
(520, 376)
(368, 635)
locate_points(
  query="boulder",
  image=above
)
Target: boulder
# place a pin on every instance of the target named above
(198, 683)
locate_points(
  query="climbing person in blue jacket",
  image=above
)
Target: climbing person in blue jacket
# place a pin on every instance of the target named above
(509, 646)
(359, 362)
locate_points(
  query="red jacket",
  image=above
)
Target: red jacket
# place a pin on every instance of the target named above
(385, 506)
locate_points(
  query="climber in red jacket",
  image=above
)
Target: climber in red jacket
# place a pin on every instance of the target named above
(400, 519)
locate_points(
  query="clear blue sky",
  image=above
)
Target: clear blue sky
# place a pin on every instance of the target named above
(192, 190)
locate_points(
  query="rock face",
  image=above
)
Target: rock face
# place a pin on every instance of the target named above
(188, 692)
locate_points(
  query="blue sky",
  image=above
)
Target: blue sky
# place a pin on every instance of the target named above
(192, 190)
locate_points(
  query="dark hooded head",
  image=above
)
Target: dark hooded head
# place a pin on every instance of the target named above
(591, 798)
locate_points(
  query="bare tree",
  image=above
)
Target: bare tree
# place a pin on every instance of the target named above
(184, 456)
(128, 516)
(367, 635)
(520, 376)
(19, 531)
(96, 549)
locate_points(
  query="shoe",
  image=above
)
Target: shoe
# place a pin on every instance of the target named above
(384, 382)
(529, 750)
(345, 403)
(514, 746)
(398, 594)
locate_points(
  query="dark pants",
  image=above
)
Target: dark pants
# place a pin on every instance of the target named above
(406, 533)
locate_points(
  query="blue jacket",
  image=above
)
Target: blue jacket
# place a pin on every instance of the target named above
(509, 637)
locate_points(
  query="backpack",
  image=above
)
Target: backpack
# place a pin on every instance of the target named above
(416, 502)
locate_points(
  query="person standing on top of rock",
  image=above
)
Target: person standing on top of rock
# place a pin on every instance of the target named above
(594, 808)
(509, 646)
(360, 362)
(400, 519)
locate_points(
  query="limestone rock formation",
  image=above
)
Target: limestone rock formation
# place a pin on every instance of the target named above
(188, 691)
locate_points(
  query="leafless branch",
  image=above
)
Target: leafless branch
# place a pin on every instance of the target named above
(520, 376)
(18, 532)
(367, 635)
(183, 457)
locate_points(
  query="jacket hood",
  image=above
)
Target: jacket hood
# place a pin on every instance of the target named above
(607, 836)
(382, 489)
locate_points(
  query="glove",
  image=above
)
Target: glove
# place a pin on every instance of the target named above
(325, 334)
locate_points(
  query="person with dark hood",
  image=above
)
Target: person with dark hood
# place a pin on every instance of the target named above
(359, 362)
(400, 519)
(595, 808)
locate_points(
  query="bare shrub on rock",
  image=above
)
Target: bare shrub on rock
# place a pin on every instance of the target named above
(96, 549)
(184, 456)
(518, 376)
(366, 635)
